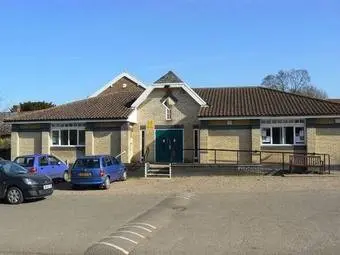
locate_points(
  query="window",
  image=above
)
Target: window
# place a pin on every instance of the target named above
(87, 163)
(115, 161)
(53, 161)
(196, 145)
(108, 161)
(266, 135)
(25, 161)
(55, 137)
(73, 137)
(277, 135)
(285, 132)
(168, 103)
(81, 135)
(167, 114)
(64, 137)
(299, 135)
(289, 135)
(68, 134)
(43, 161)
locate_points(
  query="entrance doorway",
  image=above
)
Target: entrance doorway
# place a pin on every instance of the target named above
(169, 145)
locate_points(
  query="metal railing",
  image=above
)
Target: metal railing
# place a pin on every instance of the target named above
(279, 159)
(146, 169)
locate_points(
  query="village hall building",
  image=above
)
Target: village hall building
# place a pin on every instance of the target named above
(169, 121)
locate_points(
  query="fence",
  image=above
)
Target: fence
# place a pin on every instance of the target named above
(272, 159)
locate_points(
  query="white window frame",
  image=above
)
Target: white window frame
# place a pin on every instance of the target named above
(167, 110)
(167, 113)
(67, 126)
(282, 123)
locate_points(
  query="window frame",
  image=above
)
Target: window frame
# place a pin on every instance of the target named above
(68, 127)
(167, 113)
(283, 123)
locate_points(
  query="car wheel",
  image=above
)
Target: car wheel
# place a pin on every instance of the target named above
(14, 196)
(124, 176)
(75, 186)
(107, 183)
(66, 177)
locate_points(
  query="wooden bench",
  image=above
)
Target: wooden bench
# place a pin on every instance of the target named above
(306, 161)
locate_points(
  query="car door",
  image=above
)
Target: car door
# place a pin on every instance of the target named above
(44, 167)
(109, 168)
(57, 168)
(2, 183)
(117, 168)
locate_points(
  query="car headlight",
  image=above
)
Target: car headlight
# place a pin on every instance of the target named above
(29, 181)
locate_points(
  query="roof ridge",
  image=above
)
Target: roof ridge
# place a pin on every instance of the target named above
(299, 95)
(229, 87)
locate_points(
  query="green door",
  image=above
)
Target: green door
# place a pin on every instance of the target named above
(169, 145)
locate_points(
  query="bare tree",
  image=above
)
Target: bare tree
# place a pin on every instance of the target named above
(296, 81)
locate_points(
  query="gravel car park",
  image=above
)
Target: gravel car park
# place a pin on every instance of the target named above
(224, 215)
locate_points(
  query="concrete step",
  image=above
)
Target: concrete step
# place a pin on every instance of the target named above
(158, 171)
(159, 166)
(157, 175)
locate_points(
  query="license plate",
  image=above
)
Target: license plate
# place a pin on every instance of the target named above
(84, 174)
(48, 186)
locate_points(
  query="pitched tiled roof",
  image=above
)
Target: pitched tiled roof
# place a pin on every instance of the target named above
(260, 101)
(222, 102)
(334, 100)
(169, 77)
(111, 106)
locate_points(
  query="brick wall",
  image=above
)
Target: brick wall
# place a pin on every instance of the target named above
(327, 140)
(230, 139)
(29, 143)
(184, 113)
(68, 153)
(323, 136)
(107, 142)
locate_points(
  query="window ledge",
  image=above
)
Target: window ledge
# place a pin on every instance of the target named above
(283, 145)
(66, 146)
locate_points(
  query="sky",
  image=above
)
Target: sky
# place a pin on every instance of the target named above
(64, 50)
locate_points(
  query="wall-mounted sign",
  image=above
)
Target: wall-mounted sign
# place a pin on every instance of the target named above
(150, 124)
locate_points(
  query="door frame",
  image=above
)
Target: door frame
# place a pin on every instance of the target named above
(154, 138)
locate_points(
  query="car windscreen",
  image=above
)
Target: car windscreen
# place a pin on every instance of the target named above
(25, 161)
(87, 163)
(12, 168)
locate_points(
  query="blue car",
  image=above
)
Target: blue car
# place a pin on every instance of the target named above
(98, 170)
(43, 164)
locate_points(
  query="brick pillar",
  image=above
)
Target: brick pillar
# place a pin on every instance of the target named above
(45, 142)
(89, 143)
(311, 139)
(256, 143)
(125, 136)
(14, 145)
(204, 145)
